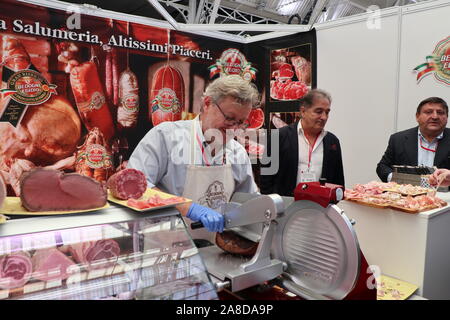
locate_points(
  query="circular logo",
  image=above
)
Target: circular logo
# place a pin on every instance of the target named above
(131, 102)
(30, 87)
(167, 100)
(442, 61)
(233, 61)
(97, 101)
(97, 156)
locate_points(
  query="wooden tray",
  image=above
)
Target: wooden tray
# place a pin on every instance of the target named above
(13, 206)
(409, 194)
(370, 204)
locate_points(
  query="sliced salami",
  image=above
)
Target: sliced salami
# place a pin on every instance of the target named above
(127, 184)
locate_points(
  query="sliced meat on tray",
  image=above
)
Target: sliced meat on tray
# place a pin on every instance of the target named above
(15, 270)
(52, 190)
(51, 264)
(127, 184)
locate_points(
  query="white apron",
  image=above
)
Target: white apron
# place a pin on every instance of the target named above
(207, 185)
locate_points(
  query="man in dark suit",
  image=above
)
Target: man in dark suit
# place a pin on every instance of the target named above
(306, 151)
(427, 144)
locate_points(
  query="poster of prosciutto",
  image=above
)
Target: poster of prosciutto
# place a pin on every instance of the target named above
(290, 72)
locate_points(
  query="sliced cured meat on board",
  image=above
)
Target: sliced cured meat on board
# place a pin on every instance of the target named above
(15, 270)
(53, 190)
(127, 184)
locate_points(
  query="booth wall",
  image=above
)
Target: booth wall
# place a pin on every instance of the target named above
(369, 74)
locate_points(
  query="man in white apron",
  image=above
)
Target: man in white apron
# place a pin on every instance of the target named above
(197, 159)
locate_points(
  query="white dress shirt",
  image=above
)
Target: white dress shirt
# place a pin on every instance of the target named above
(304, 163)
(426, 157)
(165, 152)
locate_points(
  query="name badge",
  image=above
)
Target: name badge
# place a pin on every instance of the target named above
(309, 176)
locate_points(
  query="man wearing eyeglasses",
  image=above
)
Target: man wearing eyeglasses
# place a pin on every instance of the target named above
(199, 159)
(427, 145)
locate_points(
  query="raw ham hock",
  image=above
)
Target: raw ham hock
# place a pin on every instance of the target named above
(15, 270)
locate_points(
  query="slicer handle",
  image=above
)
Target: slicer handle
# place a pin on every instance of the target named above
(197, 225)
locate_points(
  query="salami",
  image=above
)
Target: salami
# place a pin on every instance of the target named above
(128, 109)
(166, 95)
(15, 270)
(231, 242)
(127, 184)
(90, 99)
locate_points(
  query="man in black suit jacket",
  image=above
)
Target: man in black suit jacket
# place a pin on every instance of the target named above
(427, 144)
(314, 110)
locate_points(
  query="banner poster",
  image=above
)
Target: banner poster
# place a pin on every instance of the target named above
(78, 93)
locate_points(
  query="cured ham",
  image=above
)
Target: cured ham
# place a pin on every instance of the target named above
(53, 190)
(15, 270)
(231, 242)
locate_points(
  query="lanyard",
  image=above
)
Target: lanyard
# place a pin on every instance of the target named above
(428, 149)
(202, 147)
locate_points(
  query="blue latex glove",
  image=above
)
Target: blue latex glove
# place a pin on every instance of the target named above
(212, 220)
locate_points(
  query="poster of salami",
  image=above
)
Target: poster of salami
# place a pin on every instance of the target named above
(80, 97)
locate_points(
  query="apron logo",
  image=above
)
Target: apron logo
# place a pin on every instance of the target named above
(232, 61)
(437, 63)
(215, 195)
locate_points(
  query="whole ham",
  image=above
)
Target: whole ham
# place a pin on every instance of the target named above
(302, 69)
(15, 270)
(284, 71)
(128, 109)
(33, 140)
(53, 190)
(166, 101)
(96, 254)
(127, 184)
(90, 99)
(14, 56)
(51, 264)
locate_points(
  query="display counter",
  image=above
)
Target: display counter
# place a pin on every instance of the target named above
(410, 247)
(112, 253)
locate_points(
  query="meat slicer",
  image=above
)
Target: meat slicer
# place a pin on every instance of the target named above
(306, 243)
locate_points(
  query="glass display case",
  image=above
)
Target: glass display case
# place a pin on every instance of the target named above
(110, 254)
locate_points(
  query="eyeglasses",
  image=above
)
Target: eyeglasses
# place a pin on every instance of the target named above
(231, 121)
